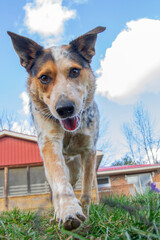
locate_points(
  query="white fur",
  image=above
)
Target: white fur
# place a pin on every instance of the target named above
(58, 53)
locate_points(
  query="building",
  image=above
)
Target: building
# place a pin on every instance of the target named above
(22, 179)
(23, 183)
(127, 180)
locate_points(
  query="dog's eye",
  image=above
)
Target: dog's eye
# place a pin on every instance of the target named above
(74, 73)
(45, 79)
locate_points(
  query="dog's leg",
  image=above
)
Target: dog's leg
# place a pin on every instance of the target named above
(88, 171)
(74, 166)
(66, 205)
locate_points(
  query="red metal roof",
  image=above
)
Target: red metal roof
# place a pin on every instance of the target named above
(102, 169)
(18, 151)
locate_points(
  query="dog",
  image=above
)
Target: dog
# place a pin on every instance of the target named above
(61, 86)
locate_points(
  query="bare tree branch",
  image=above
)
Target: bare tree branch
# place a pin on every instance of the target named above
(9, 122)
(142, 142)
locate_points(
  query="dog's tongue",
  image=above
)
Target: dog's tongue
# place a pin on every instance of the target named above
(70, 124)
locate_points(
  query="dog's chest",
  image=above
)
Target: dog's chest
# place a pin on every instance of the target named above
(75, 144)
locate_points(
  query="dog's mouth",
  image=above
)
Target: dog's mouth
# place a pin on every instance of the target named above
(71, 124)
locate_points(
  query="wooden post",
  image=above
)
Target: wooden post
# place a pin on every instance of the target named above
(28, 180)
(96, 187)
(6, 187)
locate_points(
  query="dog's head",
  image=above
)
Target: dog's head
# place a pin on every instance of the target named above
(61, 83)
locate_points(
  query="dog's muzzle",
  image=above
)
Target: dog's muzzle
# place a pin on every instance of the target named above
(66, 111)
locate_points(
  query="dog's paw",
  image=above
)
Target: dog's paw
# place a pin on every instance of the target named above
(70, 215)
(71, 222)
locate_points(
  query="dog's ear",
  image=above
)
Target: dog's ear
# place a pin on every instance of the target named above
(85, 44)
(26, 49)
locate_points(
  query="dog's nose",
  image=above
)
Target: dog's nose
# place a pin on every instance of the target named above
(65, 109)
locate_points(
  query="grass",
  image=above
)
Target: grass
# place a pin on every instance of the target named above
(115, 218)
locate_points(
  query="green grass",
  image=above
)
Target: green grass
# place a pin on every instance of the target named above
(116, 218)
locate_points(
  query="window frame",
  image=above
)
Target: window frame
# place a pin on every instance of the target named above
(139, 181)
(105, 184)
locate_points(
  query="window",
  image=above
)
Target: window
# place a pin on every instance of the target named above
(17, 181)
(23, 181)
(103, 182)
(1, 183)
(140, 182)
(38, 182)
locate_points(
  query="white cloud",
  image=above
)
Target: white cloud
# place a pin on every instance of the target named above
(24, 123)
(132, 65)
(47, 17)
(25, 102)
(23, 127)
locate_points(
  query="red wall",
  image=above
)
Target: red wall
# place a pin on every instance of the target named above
(14, 151)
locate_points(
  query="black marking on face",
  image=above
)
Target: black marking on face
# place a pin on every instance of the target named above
(39, 61)
(75, 56)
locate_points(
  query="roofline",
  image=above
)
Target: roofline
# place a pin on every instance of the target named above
(130, 170)
(28, 137)
(17, 135)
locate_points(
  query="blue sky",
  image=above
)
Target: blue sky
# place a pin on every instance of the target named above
(127, 60)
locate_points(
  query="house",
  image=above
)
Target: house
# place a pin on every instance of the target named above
(23, 183)
(127, 180)
(22, 180)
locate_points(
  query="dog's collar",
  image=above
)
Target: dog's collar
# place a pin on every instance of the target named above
(44, 115)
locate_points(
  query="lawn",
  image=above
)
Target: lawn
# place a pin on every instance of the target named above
(115, 218)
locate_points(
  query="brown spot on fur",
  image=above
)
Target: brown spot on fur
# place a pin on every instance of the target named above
(44, 90)
(52, 131)
(40, 61)
(48, 68)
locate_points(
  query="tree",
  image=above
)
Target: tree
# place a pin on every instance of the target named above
(10, 122)
(127, 160)
(143, 143)
(6, 121)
